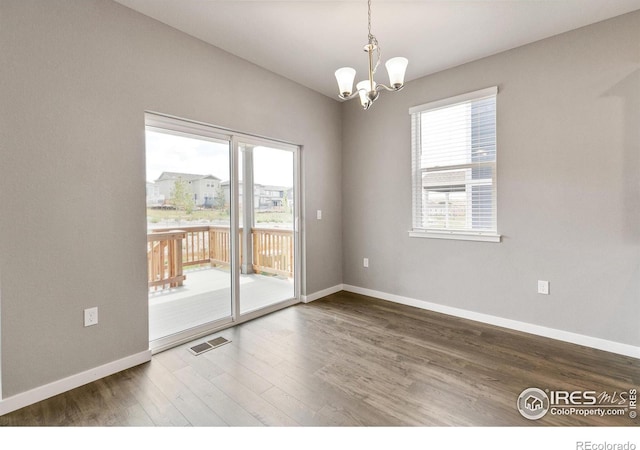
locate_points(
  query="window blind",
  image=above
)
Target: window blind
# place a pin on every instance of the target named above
(454, 164)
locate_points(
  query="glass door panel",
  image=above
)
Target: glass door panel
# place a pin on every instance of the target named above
(188, 231)
(267, 213)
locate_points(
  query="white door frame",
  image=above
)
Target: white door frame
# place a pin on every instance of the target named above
(187, 127)
(238, 139)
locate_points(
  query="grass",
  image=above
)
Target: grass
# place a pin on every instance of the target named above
(273, 217)
(162, 215)
(168, 215)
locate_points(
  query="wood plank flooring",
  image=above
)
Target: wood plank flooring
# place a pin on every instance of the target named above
(345, 360)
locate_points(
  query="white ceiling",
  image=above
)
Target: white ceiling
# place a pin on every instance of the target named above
(306, 41)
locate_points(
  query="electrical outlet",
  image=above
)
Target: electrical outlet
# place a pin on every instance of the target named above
(543, 287)
(365, 262)
(319, 214)
(91, 316)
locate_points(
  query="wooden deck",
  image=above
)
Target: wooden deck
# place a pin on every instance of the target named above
(205, 296)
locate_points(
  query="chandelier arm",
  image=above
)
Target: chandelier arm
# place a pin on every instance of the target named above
(349, 97)
(353, 95)
(379, 87)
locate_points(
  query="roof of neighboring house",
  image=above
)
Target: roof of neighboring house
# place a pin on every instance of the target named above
(262, 186)
(185, 176)
(456, 177)
(271, 187)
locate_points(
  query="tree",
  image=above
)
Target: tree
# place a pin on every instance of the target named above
(181, 196)
(219, 199)
(287, 205)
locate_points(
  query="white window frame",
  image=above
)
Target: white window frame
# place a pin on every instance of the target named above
(417, 173)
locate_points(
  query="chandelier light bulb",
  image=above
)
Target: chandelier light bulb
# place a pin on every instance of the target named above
(364, 90)
(396, 67)
(345, 77)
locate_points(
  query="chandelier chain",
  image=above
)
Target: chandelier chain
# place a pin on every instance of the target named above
(372, 40)
(369, 13)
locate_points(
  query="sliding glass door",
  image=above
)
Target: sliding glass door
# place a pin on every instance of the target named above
(222, 240)
(188, 224)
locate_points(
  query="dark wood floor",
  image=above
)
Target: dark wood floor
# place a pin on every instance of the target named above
(346, 360)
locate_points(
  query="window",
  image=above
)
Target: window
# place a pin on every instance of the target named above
(454, 167)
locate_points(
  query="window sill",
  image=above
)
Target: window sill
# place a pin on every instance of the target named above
(456, 235)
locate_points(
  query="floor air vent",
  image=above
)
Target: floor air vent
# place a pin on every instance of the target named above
(209, 345)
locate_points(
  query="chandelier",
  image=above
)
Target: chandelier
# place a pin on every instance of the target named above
(368, 90)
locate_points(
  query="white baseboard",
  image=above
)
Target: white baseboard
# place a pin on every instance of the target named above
(40, 393)
(322, 293)
(566, 336)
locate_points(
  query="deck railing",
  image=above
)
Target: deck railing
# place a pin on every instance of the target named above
(272, 252)
(164, 259)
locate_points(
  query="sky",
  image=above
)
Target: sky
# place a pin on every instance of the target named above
(172, 153)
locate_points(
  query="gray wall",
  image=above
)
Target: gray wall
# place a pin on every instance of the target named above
(77, 76)
(568, 188)
(75, 80)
